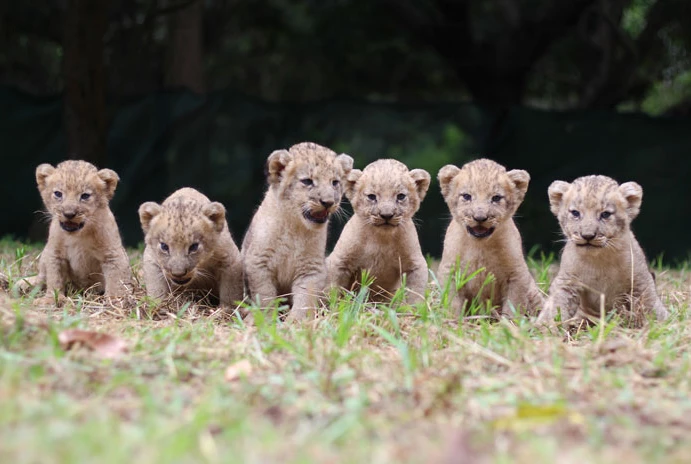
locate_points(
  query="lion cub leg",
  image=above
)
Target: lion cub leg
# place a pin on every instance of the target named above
(54, 270)
(306, 291)
(650, 299)
(156, 285)
(522, 298)
(260, 286)
(416, 282)
(562, 296)
(230, 285)
(116, 274)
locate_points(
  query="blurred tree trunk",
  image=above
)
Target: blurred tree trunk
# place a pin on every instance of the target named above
(83, 70)
(185, 49)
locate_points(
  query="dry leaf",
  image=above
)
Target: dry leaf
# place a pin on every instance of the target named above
(237, 370)
(102, 344)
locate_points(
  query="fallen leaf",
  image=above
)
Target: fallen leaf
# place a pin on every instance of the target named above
(237, 370)
(106, 346)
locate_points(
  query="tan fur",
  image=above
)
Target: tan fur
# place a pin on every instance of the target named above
(381, 237)
(189, 248)
(283, 250)
(76, 195)
(482, 196)
(601, 254)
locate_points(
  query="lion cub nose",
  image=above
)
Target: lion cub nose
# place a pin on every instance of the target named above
(69, 214)
(588, 236)
(179, 273)
(326, 204)
(386, 217)
(480, 218)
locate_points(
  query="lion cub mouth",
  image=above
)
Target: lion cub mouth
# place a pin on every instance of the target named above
(480, 231)
(69, 226)
(181, 281)
(319, 217)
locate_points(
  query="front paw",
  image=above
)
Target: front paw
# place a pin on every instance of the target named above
(298, 315)
(51, 300)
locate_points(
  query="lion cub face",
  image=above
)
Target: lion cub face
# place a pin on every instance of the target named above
(182, 232)
(482, 194)
(594, 210)
(386, 193)
(308, 179)
(74, 191)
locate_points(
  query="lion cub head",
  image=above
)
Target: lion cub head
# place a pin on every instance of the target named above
(482, 194)
(308, 179)
(386, 193)
(74, 191)
(182, 232)
(594, 210)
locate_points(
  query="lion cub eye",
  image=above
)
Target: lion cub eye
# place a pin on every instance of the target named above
(575, 213)
(307, 182)
(605, 215)
(466, 196)
(372, 197)
(164, 247)
(85, 196)
(335, 183)
(57, 194)
(401, 196)
(497, 198)
(193, 248)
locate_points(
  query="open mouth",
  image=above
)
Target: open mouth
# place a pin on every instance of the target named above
(70, 226)
(480, 231)
(319, 217)
(181, 281)
(588, 245)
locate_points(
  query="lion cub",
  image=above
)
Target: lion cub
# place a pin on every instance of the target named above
(381, 236)
(482, 197)
(283, 250)
(189, 247)
(84, 246)
(601, 255)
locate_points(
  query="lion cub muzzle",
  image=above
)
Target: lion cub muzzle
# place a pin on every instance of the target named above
(71, 218)
(320, 211)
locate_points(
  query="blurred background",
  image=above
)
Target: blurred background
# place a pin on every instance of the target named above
(174, 93)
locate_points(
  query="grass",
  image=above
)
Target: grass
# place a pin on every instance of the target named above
(363, 383)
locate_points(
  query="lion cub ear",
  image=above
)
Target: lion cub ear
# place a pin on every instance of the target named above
(520, 179)
(445, 176)
(148, 211)
(277, 162)
(216, 212)
(346, 162)
(351, 179)
(111, 179)
(634, 197)
(556, 193)
(422, 180)
(42, 172)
